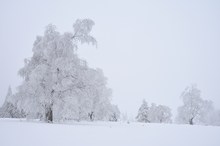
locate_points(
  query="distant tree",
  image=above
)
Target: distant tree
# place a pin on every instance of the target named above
(159, 114)
(154, 113)
(114, 113)
(194, 110)
(164, 114)
(9, 108)
(9, 95)
(143, 113)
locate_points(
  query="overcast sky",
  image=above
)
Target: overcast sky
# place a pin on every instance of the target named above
(147, 49)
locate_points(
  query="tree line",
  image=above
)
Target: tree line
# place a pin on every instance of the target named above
(58, 85)
(194, 110)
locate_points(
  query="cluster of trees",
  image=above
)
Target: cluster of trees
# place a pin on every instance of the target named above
(154, 113)
(58, 85)
(194, 110)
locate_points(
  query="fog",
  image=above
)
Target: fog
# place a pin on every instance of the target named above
(147, 49)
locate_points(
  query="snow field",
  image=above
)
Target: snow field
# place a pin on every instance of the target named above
(24, 133)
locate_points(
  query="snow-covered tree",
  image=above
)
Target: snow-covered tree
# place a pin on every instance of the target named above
(194, 110)
(82, 29)
(163, 114)
(9, 108)
(57, 84)
(114, 113)
(9, 95)
(143, 113)
(154, 113)
(159, 114)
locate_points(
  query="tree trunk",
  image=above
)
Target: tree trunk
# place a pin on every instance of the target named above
(49, 115)
(49, 110)
(115, 117)
(91, 116)
(191, 121)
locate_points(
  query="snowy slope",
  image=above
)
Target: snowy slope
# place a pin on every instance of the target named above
(24, 133)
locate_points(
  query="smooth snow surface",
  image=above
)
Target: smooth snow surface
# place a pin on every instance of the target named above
(24, 133)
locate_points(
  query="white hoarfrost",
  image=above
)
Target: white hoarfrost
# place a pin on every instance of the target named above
(154, 113)
(9, 108)
(60, 86)
(195, 110)
(143, 113)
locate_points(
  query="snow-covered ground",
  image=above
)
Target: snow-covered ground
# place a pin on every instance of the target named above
(32, 133)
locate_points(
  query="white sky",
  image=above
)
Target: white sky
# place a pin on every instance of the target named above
(147, 49)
